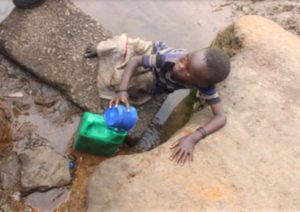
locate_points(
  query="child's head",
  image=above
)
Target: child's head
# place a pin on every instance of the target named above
(203, 67)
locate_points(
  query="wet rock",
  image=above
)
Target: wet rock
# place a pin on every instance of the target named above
(9, 173)
(22, 104)
(50, 32)
(44, 101)
(42, 169)
(5, 129)
(248, 165)
(26, 130)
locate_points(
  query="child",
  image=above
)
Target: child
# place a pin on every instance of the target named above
(178, 69)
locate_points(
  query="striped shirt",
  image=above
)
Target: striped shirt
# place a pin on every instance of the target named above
(161, 61)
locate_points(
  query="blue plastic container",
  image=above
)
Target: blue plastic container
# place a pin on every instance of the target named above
(120, 118)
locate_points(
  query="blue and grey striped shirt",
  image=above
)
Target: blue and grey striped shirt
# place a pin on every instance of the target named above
(161, 61)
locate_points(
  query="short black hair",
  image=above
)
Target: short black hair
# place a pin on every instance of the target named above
(218, 64)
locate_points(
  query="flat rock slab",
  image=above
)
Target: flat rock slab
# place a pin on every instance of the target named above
(253, 163)
(42, 168)
(49, 41)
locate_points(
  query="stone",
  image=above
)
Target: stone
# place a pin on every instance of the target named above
(50, 33)
(42, 169)
(10, 172)
(5, 128)
(251, 164)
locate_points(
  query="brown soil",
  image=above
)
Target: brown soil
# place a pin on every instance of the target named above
(86, 164)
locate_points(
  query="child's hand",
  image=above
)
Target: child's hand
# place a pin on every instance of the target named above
(183, 150)
(122, 96)
(90, 52)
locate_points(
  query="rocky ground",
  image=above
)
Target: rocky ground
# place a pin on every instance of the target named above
(37, 120)
(284, 12)
(252, 164)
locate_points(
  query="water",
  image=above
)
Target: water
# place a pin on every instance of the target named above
(53, 123)
(184, 24)
(6, 6)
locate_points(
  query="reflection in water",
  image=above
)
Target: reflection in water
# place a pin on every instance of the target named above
(6, 6)
(185, 24)
(47, 201)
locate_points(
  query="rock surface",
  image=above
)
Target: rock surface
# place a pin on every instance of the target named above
(5, 129)
(253, 163)
(284, 12)
(43, 168)
(9, 172)
(49, 41)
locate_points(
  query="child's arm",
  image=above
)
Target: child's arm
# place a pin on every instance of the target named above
(122, 95)
(183, 148)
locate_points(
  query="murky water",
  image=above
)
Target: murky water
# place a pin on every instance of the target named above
(6, 6)
(40, 116)
(186, 24)
(49, 200)
(39, 113)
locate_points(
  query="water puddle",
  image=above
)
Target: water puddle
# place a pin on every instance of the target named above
(6, 6)
(40, 115)
(49, 200)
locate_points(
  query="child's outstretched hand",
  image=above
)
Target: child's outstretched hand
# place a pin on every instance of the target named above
(90, 52)
(122, 96)
(183, 150)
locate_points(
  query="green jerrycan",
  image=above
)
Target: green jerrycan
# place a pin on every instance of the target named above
(93, 136)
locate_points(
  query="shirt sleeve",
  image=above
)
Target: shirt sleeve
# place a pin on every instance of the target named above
(210, 95)
(158, 46)
(153, 61)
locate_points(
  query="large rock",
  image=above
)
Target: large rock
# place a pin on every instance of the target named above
(49, 41)
(253, 163)
(43, 168)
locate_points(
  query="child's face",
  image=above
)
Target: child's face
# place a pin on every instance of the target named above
(191, 69)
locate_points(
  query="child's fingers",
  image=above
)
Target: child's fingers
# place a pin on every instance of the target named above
(179, 157)
(117, 102)
(174, 144)
(175, 152)
(111, 102)
(126, 102)
(184, 158)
